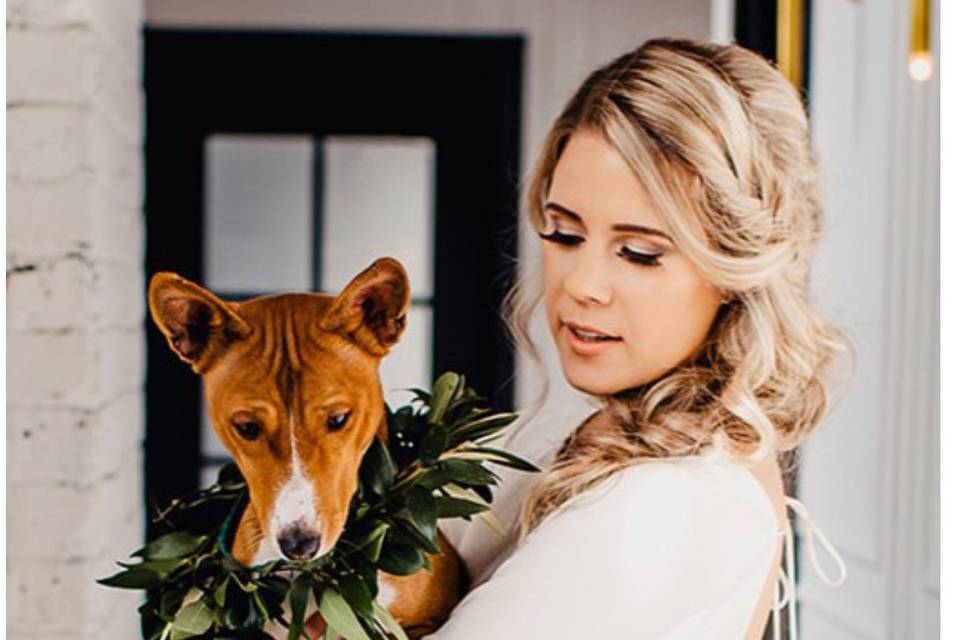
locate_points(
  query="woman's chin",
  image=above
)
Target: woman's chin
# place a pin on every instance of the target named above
(582, 380)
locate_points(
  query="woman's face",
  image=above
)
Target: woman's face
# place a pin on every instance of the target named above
(608, 265)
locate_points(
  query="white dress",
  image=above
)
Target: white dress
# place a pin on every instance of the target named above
(666, 550)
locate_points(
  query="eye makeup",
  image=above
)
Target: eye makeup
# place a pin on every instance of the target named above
(630, 228)
(649, 259)
(561, 238)
(635, 257)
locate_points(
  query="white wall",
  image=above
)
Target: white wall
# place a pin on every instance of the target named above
(75, 359)
(871, 476)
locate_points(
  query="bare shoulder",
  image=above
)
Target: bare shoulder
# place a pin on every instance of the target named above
(767, 474)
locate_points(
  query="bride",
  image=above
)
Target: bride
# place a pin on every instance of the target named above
(677, 200)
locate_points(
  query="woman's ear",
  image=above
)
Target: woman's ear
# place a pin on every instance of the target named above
(372, 309)
(197, 324)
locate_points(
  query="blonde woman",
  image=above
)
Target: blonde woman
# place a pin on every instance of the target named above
(677, 200)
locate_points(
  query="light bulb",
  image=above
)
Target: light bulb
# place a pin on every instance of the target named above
(921, 65)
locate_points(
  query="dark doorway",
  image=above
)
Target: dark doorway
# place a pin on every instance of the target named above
(461, 94)
(755, 27)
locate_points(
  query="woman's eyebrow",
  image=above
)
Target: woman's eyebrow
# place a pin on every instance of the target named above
(638, 228)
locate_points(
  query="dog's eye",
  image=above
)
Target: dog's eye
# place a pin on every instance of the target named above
(248, 429)
(336, 422)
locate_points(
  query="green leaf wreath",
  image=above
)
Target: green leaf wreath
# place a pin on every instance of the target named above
(434, 467)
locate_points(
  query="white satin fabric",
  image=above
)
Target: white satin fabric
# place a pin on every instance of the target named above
(665, 550)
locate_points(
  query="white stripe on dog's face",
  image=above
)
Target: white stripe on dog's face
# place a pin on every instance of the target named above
(295, 501)
(267, 550)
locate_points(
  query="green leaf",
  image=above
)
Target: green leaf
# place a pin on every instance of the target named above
(173, 545)
(298, 604)
(220, 595)
(229, 474)
(484, 492)
(433, 444)
(261, 608)
(171, 602)
(479, 428)
(272, 602)
(455, 507)
(355, 592)
(246, 586)
(275, 585)
(238, 612)
(469, 472)
(338, 614)
(388, 621)
(509, 460)
(378, 468)
(135, 578)
(425, 561)
(152, 632)
(397, 558)
(420, 394)
(418, 540)
(195, 618)
(424, 512)
(444, 390)
(162, 568)
(434, 478)
(372, 543)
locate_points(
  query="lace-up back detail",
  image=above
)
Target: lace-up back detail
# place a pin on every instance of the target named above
(785, 595)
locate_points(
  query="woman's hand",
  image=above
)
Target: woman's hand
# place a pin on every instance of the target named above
(315, 626)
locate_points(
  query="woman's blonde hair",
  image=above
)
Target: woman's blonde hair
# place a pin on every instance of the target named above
(718, 133)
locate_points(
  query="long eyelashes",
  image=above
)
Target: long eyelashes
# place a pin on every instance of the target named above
(561, 238)
(646, 259)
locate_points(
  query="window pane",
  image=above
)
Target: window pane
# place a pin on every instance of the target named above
(210, 444)
(208, 474)
(259, 211)
(408, 364)
(378, 200)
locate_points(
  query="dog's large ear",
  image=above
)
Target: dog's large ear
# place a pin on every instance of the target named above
(197, 324)
(372, 309)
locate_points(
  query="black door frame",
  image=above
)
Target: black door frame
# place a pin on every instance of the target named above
(755, 27)
(464, 92)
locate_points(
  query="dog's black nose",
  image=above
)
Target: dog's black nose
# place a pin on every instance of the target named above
(298, 542)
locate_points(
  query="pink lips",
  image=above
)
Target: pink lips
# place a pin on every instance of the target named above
(585, 347)
(587, 328)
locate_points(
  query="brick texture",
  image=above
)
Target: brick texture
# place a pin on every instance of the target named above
(75, 310)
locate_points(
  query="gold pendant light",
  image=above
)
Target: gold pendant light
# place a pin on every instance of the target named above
(921, 60)
(790, 40)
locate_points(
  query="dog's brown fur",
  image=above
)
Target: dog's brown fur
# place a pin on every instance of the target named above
(290, 361)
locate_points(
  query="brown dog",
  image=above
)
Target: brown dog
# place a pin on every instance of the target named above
(292, 386)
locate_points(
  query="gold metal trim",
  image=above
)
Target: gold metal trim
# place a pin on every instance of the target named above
(921, 59)
(790, 15)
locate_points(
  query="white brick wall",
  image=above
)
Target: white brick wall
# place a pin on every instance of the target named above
(75, 307)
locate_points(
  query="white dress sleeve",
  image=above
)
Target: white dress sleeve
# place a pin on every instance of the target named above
(658, 550)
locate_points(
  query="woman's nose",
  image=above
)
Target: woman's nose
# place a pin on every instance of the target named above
(588, 281)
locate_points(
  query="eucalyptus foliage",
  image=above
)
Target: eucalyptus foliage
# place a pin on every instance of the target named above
(434, 466)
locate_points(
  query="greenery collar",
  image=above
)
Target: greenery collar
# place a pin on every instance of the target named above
(434, 466)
